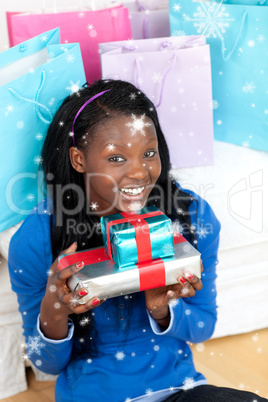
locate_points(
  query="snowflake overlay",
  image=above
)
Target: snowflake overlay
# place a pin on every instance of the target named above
(30, 197)
(74, 87)
(92, 32)
(248, 87)
(120, 355)
(138, 124)
(210, 19)
(179, 39)
(34, 345)
(168, 249)
(188, 383)
(202, 232)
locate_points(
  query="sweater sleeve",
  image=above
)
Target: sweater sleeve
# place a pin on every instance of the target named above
(29, 261)
(193, 319)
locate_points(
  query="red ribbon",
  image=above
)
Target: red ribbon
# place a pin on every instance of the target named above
(142, 233)
(152, 273)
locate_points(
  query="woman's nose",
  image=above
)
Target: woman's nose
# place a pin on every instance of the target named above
(137, 170)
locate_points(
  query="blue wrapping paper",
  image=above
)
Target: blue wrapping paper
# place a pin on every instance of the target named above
(124, 250)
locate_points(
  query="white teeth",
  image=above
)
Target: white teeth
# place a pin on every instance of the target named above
(134, 191)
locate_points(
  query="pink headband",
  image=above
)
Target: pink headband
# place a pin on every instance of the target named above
(83, 107)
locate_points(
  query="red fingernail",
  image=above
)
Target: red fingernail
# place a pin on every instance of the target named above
(83, 293)
(183, 280)
(189, 275)
(95, 302)
(80, 264)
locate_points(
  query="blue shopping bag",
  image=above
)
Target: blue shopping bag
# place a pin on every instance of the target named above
(237, 31)
(35, 77)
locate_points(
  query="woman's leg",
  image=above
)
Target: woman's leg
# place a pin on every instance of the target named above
(211, 393)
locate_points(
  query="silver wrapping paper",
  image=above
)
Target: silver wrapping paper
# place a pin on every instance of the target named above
(105, 279)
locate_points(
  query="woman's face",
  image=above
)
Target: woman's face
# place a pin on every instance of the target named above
(121, 165)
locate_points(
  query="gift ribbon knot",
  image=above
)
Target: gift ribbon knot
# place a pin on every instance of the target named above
(142, 233)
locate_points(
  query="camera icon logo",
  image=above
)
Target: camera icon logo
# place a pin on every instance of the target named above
(245, 201)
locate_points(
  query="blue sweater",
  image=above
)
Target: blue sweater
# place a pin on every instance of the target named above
(138, 358)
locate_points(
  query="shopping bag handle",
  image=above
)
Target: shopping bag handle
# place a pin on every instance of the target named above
(137, 76)
(36, 102)
(225, 56)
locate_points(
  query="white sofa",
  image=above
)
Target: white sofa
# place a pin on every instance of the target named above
(236, 186)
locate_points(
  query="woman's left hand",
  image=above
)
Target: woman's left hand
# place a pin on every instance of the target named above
(157, 300)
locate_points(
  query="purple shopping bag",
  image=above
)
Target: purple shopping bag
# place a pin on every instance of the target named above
(149, 19)
(175, 74)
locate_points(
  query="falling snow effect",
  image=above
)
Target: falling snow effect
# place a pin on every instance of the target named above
(168, 249)
(210, 19)
(135, 206)
(111, 147)
(138, 124)
(261, 38)
(202, 232)
(200, 347)
(149, 391)
(38, 160)
(74, 301)
(70, 58)
(39, 136)
(94, 206)
(174, 302)
(74, 87)
(20, 124)
(52, 288)
(214, 104)
(179, 39)
(255, 338)
(92, 32)
(30, 197)
(120, 356)
(248, 87)
(188, 383)
(51, 102)
(177, 227)
(157, 78)
(34, 345)
(177, 7)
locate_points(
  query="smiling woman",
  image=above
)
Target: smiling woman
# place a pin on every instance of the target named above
(118, 167)
(105, 153)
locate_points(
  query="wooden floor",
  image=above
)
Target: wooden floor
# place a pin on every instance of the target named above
(239, 361)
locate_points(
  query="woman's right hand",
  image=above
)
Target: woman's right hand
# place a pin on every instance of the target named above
(58, 301)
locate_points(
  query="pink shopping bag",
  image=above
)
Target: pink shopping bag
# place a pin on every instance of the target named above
(88, 28)
(175, 73)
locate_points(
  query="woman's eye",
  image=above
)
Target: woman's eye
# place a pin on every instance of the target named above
(116, 159)
(149, 154)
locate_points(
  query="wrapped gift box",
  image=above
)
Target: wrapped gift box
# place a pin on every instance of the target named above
(104, 279)
(136, 237)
